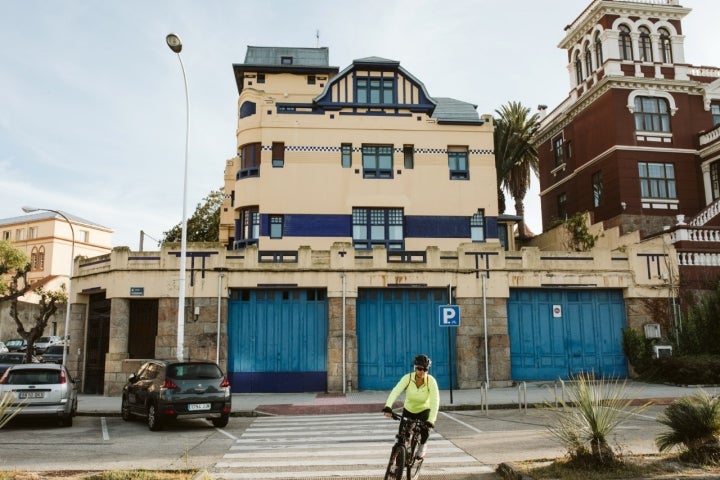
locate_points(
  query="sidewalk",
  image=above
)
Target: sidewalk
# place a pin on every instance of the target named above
(530, 394)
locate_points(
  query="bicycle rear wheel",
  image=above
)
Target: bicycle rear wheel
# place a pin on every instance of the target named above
(396, 465)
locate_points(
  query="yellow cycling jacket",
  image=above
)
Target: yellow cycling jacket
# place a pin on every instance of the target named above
(417, 399)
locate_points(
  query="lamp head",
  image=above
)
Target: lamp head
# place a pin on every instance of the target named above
(174, 42)
(29, 209)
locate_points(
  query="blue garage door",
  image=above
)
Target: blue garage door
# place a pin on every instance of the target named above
(394, 325)
(277, 340)
(584, 335)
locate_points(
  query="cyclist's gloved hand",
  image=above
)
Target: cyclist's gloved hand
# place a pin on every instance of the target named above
(387, 410)
(430, 424)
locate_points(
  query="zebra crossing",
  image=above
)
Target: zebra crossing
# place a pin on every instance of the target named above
(339, 446)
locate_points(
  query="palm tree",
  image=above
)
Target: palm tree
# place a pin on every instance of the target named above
(515, 155)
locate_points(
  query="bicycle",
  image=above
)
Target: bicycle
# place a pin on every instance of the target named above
(402, 456)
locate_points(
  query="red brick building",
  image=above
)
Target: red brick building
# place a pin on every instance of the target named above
(637, 141)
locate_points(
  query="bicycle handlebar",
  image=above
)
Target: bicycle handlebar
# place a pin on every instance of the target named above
(397, 416)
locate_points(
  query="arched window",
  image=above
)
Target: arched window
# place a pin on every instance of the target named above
(652, 114)
(578, 69)
(665, 46)
(37, 259)
(625, 43)
(588, 58)
(599, 60)
(646, 54)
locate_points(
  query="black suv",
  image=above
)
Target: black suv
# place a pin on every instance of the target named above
(164, 390)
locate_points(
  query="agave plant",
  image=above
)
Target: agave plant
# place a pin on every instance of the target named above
(594, 409)
(694, 423)
(5, 416)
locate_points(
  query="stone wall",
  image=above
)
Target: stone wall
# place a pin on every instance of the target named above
(27, 312)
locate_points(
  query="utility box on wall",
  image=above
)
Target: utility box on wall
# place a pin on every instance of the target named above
(662, 351)
(652, 330)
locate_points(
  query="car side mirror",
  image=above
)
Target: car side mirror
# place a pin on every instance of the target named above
(132, 378)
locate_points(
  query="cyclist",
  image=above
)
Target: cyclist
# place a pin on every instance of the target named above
(422, 398)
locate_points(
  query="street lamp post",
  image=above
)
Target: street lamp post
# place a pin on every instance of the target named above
(66, 343)
(175, 44)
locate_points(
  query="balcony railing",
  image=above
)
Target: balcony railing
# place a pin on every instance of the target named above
(698, 259)
(711, 136)
(704, 216)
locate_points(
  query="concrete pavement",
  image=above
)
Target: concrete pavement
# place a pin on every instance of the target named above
(524, 395)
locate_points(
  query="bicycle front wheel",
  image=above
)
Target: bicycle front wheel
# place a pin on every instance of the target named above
(396, 465)
(413, 472)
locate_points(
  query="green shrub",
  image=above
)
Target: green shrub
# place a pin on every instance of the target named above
(688, 370)
(638, 350)
(701, 328)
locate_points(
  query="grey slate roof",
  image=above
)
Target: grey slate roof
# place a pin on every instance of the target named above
(451, 110)
(302, 57)
(376, 60)
(44, 215)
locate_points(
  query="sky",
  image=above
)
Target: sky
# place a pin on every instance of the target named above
(92, 101)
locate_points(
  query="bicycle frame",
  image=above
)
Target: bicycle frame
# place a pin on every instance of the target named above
(402, 456)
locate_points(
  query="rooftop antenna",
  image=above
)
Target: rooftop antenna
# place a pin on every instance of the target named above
(317, 38)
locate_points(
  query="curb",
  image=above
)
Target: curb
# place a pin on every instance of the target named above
(329, 409)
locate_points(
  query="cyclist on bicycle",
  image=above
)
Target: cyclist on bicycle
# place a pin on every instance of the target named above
(422, 398)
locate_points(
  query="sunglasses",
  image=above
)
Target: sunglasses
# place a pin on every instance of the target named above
(422, 369)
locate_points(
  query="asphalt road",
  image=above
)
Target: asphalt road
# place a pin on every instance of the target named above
(103, 443)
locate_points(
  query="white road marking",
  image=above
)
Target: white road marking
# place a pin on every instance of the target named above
(467, 425)
(103, 427)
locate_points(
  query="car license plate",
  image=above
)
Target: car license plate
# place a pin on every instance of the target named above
(193, 407)
(31, 394)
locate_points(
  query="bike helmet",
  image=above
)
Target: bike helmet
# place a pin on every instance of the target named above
(422, 361)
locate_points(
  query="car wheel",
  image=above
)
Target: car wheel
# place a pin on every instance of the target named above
(220, 422)
(66, 421)
(125, 410)
(153, 419)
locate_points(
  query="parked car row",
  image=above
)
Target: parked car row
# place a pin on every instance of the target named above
(13, 358)
(159, 392)
(21, 345)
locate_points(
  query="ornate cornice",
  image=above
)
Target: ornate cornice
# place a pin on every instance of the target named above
(610, 83)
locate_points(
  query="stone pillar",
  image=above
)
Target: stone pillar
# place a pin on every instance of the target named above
(117, 347)
(75, 355)
(470, 343)
(335, 345)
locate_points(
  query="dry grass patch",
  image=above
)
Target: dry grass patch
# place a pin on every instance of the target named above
(624, 467)
(95, 475)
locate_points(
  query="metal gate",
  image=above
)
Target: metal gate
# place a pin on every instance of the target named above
(98, 340)
(277, 340)
(394, 325)
(559, 333)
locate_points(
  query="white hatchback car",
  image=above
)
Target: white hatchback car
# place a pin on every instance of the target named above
(41, 390)
(43, 342)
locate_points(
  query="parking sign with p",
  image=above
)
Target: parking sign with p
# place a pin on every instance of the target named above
(449, 315)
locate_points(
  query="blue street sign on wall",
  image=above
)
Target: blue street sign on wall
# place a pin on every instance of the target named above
(449, 315)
